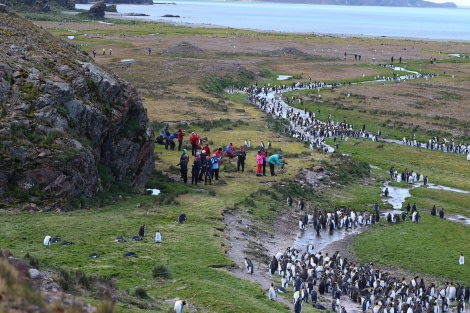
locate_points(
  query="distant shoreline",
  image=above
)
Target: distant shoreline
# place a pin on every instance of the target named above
(114, 15)
(431, 24)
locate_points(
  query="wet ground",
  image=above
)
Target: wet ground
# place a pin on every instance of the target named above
(242, 232)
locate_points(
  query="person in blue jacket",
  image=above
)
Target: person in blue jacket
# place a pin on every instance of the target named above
(172, 140)
(215, 166)
(273, 160)
(166, 136)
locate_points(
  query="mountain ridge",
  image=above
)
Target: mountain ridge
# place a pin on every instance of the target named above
(391, 3)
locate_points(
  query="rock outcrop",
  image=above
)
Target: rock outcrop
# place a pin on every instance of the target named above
(97, 9)
(68, 129)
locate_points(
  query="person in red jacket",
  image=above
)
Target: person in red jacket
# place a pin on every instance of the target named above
(194, 141)
(218, 153)
(230, 151)
(180, 138)
(207, 149)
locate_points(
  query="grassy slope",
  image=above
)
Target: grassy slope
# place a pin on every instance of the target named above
(195, 252)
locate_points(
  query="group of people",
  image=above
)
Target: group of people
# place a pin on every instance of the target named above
(205, 166)
(168, 138)
(104, 51)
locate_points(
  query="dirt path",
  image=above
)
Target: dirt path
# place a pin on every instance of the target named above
(241, 231)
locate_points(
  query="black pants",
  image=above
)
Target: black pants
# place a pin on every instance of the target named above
(201, 173)
(180, 143)
(264, 168)
(208, 176)
(184, 174)
(193, 149)
(271, 169)
(195, 175)
(240, 163)
(215, 172)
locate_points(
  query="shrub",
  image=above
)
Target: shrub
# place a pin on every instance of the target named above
(161, 271)
(83, 279)
(141, 293)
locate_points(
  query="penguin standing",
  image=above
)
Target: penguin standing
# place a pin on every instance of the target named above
(441, 213)
(272, 293)
(179, 304)
(298, 306)
(289, 200)
(158, 237)
(249, 265)
(273, 265)
(142, 231)
(182, 218)
(314, 297)
(47, 240)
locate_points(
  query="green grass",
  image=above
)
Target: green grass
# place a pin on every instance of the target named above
(432, 247)
(442, 168)
(192, 259)
(185, 248)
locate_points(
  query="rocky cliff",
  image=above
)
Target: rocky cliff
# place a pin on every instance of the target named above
(68, 129)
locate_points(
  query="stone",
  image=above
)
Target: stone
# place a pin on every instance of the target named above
(35, 274)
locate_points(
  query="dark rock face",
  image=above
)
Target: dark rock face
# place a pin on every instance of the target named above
(68, 129)
(97, 9)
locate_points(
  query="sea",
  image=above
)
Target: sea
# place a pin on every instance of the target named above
(442, 24)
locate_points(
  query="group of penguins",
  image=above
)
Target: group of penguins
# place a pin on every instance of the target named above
(340, 218)
(434, 144)
(313, 274)
(305, 126)
(120, 239)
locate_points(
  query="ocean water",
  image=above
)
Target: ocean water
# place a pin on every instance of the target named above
(396, 22)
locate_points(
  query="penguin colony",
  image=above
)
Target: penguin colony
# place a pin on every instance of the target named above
(309, 274)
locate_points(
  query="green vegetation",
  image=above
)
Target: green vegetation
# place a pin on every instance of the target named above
(192, 261)
(427, 247)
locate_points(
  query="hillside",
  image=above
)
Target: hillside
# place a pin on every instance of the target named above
(68, 129)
